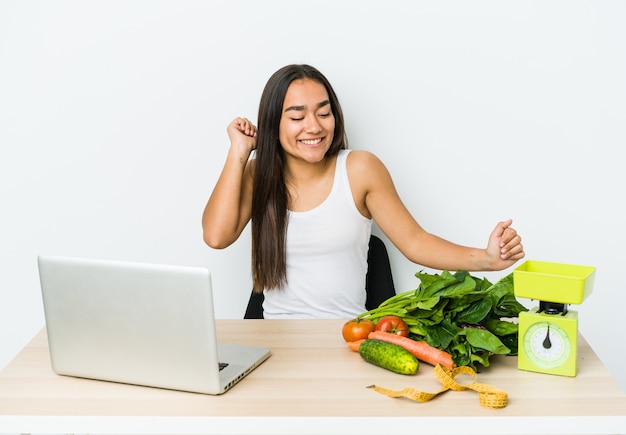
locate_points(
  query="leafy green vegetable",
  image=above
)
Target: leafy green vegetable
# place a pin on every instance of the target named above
(466, 316)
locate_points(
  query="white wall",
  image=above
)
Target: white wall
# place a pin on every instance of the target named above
(113, 118)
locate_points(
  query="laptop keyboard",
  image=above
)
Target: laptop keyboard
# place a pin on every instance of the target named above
(222, 365)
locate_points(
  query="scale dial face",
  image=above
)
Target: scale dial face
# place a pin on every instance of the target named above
(547, 345)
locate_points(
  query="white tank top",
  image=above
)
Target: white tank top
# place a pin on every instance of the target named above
(326, 258)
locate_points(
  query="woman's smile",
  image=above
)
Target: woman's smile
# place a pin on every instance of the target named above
(312, 142)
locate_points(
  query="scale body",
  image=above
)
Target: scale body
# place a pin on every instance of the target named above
(548, 334)
(548, 343)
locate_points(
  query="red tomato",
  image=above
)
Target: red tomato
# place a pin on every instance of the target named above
(357, 329)
(394, 325)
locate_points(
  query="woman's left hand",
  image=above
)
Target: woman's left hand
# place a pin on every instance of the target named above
(505, 246)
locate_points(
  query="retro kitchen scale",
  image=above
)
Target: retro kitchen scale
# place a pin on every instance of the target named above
(548, 334)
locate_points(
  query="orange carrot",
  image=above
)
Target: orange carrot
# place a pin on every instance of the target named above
(354, 345)
(420, 349)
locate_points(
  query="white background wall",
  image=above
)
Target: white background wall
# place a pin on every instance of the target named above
(113, 118)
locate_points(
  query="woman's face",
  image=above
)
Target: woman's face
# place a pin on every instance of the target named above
(307, 122)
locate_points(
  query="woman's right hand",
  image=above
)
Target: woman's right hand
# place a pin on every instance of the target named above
(242, 133)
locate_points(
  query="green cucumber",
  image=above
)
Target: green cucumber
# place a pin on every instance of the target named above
(388, 356)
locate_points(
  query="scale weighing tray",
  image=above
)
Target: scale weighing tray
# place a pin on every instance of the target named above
(553, 282)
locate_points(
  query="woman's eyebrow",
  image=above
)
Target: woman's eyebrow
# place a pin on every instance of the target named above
(301, 108)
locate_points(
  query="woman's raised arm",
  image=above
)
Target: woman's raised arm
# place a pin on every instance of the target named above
(228, 210)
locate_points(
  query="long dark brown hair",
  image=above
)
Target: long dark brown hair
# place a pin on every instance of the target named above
(270, 196)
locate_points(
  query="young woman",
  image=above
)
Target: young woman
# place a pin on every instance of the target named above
(312, 203)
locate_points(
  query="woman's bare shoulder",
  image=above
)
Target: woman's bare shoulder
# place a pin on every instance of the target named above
(363, 158)
(368, 175)
(365, 163)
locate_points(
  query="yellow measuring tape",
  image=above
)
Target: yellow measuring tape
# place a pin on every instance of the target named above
(488, 396)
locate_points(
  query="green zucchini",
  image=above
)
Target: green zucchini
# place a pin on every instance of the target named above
(388, 356)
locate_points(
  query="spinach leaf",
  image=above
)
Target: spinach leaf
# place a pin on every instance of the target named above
(500, 327)
(455, 290)
(442, 334)
(484, 339)
(508, 306)
(476, 312)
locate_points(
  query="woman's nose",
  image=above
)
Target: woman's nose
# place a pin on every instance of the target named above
(312, 126)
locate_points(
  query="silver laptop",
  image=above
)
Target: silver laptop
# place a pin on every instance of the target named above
(136, 323)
